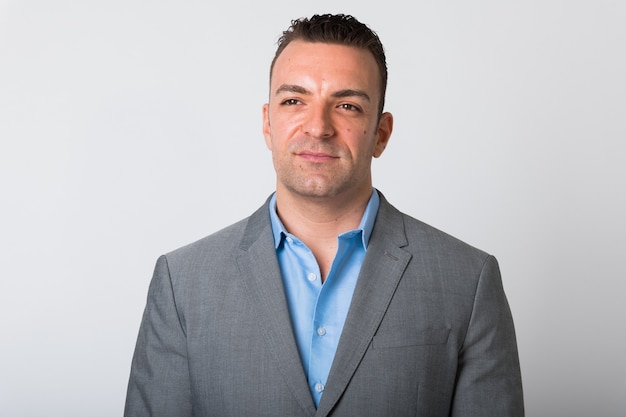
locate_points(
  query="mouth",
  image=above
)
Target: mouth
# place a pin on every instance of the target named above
(313, 156)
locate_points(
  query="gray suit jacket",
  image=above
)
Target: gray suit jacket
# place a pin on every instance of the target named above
(429, 331)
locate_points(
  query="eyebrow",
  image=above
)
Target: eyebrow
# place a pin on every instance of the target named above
(292, 88)
(348, 92)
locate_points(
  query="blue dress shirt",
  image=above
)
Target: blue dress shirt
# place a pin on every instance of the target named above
(318, 312)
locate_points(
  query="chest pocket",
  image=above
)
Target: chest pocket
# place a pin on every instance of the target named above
(420, 337)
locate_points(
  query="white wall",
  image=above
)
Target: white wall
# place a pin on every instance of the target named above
(130, 128)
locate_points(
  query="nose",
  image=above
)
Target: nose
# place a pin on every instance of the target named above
(318, 123)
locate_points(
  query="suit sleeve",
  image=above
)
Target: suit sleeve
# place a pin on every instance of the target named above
(159, 382)
(489, 379)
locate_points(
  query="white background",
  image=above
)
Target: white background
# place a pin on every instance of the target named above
(131, 128)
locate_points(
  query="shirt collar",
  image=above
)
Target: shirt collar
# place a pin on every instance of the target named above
(365, 227)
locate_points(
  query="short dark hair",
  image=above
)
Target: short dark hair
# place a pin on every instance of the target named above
(338, 29)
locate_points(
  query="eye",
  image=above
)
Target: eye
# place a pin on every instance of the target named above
(291, 102)
(349, 107)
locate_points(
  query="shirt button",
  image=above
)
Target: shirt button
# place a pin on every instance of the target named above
(319, 387)
(289, 240)
(311, 277)
(321, 331)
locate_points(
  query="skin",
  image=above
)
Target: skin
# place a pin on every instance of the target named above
(323, 127)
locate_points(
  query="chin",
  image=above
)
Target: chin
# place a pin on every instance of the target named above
(322, 191)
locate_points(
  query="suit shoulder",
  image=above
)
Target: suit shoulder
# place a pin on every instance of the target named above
(444, 262)
(416, 235)
(220, 243)
(442, 244)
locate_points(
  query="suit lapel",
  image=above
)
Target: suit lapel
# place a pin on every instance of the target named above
(380, 274)
(262, 278)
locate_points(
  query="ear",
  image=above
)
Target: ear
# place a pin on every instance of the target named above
(385, 127)
(266, 126)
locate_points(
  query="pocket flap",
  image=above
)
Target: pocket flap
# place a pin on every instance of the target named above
(416, 338)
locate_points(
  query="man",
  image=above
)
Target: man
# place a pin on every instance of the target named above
(327, 301)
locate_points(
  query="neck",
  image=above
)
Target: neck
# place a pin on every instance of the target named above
(320, 218)
(317, 221)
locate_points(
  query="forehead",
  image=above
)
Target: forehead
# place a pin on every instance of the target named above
(316, 61)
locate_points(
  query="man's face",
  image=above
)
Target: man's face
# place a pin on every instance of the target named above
(321, 122)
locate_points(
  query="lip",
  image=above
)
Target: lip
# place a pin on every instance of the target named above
(316, 156)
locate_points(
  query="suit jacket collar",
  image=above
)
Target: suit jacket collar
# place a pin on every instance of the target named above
(381, 271)
(262, 279)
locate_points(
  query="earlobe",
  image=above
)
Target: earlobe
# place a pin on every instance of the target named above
(266, 126)
(385, 127)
